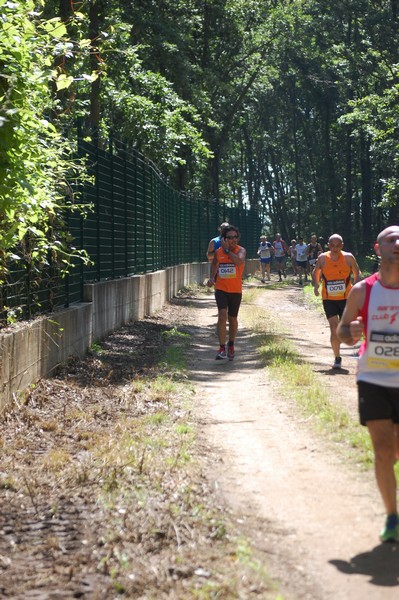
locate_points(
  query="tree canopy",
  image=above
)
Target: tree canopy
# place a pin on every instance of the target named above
(290, 107)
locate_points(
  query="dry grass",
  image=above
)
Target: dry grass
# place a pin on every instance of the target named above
(103, 491)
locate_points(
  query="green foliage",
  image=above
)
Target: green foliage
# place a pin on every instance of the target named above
(290, 107)
(378, 114)
(36, 162)
(147, 113)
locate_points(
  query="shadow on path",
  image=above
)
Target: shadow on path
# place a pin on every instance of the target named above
(205, 345)
(381, 564)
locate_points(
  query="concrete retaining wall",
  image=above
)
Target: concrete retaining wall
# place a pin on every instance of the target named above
(31, 350)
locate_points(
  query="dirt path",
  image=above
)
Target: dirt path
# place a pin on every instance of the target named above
(317, 517)
(312, 516)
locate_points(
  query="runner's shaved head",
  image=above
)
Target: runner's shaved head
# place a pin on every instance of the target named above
(335, 236)
(387, 231)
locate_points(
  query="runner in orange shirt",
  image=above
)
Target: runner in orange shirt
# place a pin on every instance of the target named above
(334, 269)
(228, 265)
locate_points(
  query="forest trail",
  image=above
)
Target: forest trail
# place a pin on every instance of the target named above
(315, 515)
(308, 512)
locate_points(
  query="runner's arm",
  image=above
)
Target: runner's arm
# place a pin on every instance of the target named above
(316, 274)
(350, 326)
(357, 275)
(210, 253)
(238, 258)
(214, 270)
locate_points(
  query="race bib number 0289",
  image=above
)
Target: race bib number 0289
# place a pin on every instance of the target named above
(383, 350)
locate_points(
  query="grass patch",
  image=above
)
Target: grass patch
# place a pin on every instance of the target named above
(190, 290)
(250, 294)
(298, 382)
(176, 343)
(157, 506)
(312, 300)
(96, 348)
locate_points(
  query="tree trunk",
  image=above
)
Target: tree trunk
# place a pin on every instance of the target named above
(347, 223)
(250, 170)
(365, 167)
(61, 62)
(330, 179)
(96, 12)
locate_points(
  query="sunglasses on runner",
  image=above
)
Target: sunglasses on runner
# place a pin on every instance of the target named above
(231, 237)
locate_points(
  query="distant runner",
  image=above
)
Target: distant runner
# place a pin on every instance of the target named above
(265, 251)
(334, 269)
(292, 254)
(280, 251)
(301, 259)
(313, 252)
(228, 265)
(372, 310)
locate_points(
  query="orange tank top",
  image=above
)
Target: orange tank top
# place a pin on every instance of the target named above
(335, 278)
(229, 275)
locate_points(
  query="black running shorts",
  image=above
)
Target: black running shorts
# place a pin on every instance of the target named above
(302, 264)
(377, 402)
(334, 308)
(228, 300)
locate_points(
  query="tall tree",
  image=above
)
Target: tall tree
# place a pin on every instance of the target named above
(289, 106)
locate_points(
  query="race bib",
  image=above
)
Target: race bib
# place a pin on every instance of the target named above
(335, 288)
(227, 271)
(383, 350)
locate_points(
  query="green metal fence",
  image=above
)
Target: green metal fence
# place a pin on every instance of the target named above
(140, 224)
(137, 224)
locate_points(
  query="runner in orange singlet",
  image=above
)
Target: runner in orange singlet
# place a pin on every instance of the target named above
(334, 268)
(228, 264)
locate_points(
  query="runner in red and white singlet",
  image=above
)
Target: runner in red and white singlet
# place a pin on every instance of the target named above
(372, 310)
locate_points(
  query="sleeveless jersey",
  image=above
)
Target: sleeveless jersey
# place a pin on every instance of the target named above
(279, 248)
(379, 353)
(216, 243)
(229, 275)
(300, 251)
(265, 249)
(335, 278)
(313, 252)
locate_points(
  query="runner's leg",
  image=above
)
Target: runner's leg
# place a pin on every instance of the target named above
(233, 328)
(382, 433)
(335, 343)
(221, 326)
(397, 440)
